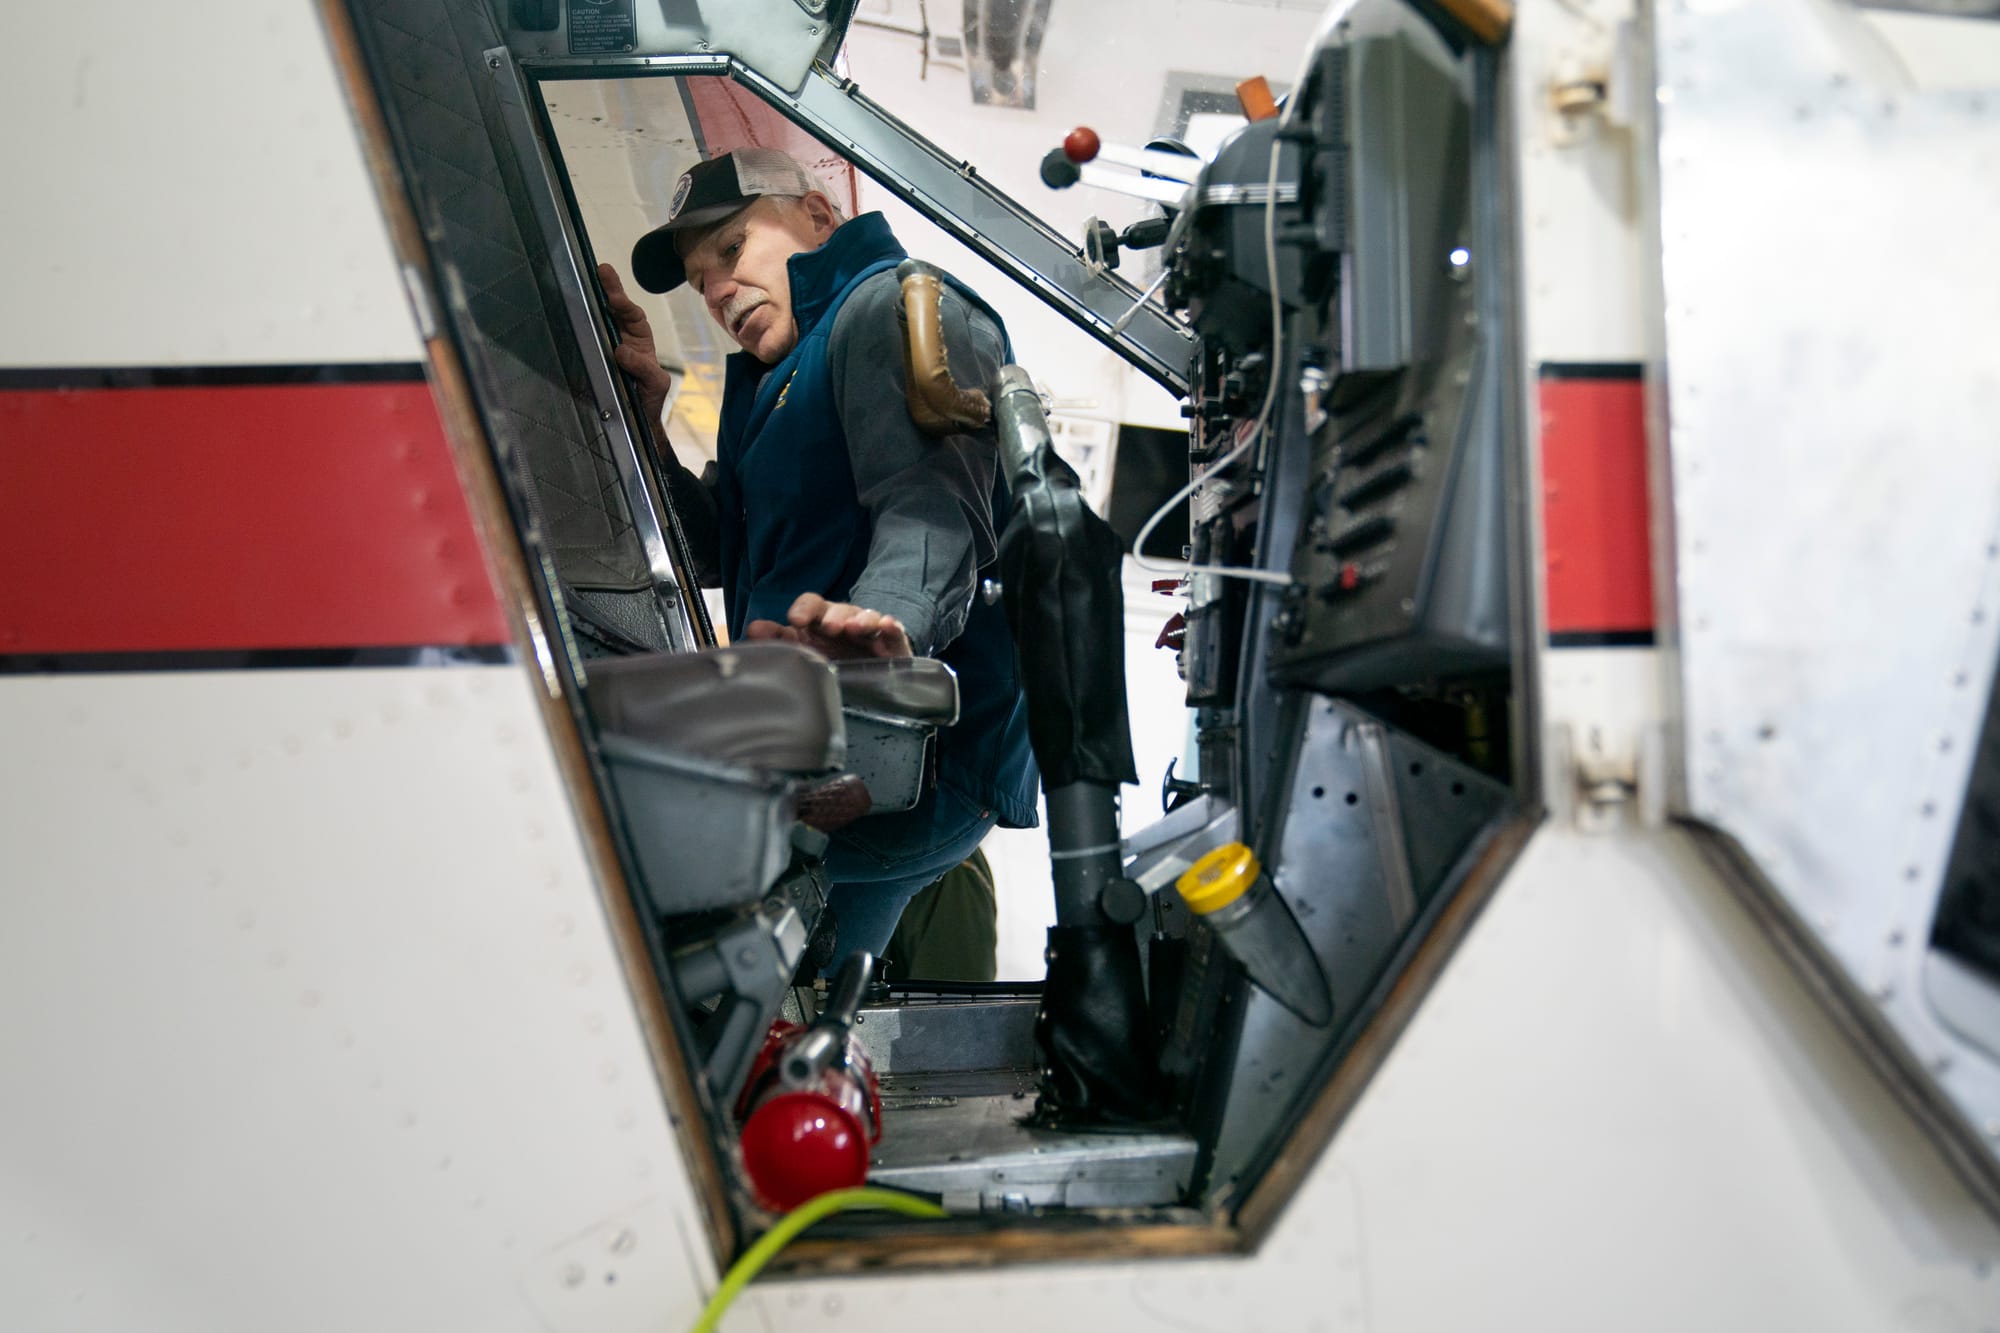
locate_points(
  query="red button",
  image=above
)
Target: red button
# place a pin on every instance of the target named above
(1350, 577)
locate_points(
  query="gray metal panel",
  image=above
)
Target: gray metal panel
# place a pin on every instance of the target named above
(749, 962)
(782, 38)
(1832, 388)
(976, 1153)
(1420, 462)
(1471, 583)
(1405, 100)
(1377, 824)
(921, 1038)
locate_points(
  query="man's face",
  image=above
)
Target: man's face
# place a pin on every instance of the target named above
(739, 271)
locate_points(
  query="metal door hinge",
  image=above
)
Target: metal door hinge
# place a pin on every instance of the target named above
(1598, 782)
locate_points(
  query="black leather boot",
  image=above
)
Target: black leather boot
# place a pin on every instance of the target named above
(1094, 1033)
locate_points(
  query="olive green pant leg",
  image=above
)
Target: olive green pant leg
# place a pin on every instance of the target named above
(951, 930)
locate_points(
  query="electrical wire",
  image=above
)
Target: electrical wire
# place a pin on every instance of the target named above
(789, 1226)
(1187, 492)
(1124, 321)
(1174, 234)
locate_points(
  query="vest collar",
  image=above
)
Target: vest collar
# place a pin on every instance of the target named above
(818, 276)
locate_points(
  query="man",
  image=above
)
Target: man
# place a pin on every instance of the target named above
(830, 520)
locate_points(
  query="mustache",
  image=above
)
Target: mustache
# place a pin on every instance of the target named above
(740, 305)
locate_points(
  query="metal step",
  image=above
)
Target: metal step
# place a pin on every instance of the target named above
(957, 1078)
(975, 1153)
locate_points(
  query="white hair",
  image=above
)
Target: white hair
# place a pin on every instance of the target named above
(798, 201)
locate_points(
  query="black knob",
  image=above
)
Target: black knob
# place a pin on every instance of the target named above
(1058, 172)
(1175, 791)
(1122, 901)
(1100, 243)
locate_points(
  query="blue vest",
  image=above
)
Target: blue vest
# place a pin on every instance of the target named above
(793, 523)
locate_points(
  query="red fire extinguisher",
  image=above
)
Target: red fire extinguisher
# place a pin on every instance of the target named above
(811, 1111)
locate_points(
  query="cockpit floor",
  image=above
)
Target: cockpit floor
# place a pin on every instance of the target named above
(971, 1147)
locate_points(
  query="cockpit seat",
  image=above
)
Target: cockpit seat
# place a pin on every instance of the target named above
(771, 706)
(893, 709)
(707, 754)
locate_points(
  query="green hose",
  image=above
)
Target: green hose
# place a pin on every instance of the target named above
(778, 1237)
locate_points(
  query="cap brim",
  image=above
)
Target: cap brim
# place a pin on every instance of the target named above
(656, 262)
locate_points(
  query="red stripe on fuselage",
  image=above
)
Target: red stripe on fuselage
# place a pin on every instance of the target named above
(240, 516)
(1596, 520)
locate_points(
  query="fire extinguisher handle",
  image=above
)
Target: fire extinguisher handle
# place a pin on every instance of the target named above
(811, 1055)
(850, 985)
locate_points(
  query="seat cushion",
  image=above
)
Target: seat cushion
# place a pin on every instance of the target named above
(768, 706)
(917, 689)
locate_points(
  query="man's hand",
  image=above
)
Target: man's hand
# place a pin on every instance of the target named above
(636, 353)
(837, 629)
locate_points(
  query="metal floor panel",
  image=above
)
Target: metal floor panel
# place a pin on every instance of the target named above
(919, 1035)
(975, 1152)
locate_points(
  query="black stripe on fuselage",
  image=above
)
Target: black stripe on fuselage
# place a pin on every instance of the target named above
(1590, 370)
(254, 659)
(1603, 638)
(188, 377)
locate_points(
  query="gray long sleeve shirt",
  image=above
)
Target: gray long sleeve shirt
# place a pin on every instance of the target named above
(929, 500)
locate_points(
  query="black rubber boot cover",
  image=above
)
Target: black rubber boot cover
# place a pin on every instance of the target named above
(1096, 1040)
(1059, 568)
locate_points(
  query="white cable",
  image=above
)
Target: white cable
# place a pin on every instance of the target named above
(1166, 266)
(1119, 325)
(1185, 493)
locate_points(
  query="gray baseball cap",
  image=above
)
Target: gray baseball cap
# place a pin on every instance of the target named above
(710, 191)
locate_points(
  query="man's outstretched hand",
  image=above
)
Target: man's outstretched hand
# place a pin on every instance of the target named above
(837, 629)
(636, 353)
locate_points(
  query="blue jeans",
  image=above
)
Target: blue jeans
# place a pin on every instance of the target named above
(879, 863)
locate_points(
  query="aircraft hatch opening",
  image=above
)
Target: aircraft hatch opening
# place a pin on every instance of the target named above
(1325, 715)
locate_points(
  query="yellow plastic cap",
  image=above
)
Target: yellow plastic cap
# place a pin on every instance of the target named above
(1219, 878)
